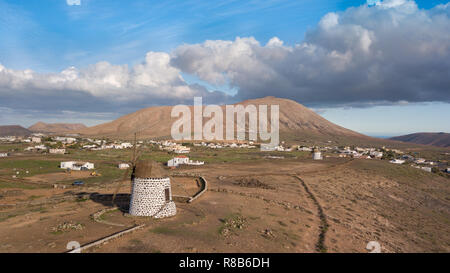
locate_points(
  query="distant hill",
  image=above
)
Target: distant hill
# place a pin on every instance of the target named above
(14, 130)
(297, 122)
(435, 139)
(42, 127)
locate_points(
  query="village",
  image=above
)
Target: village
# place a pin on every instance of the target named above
(60, 145)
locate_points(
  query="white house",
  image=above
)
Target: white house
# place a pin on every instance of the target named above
(376, 154)
(427, 169)
(419, 161)
(195, 163)
(38, 147)
(57, 151)
(121, 146)
(66, 140)
(397, 161)
(77, 166)
(174, 162)
(448, 170)
(3, 154)
(36, 139)
(305, 149)
(124, 166)
(279, 148)
(70, 140)
(126, 145)
(90, 146)
(179, 149)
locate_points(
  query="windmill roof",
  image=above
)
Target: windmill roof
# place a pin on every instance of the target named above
(149, 169)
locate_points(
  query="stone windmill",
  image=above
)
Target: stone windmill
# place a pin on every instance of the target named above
(151, 193)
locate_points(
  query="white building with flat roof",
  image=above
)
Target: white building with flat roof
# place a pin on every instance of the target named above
(124, 166)
(397, 161)
(376, 154)
(178, 160)
(183, 160)
(57, 151)
(66, 140)
(76, 165)
(126, 145)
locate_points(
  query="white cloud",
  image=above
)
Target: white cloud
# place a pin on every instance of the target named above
(369, 55)
(155, 76)
(73, 2)
(101, 85)
(329, 20)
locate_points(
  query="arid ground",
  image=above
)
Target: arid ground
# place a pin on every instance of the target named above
(270, 205)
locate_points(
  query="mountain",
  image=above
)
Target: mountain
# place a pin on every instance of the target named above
(14, 130)
(42, 127)
(435, 139)
(297, 122)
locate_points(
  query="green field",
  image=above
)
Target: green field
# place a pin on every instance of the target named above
(106, 162)
(10, 166)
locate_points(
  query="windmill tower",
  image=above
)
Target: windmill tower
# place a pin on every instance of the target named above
(317, 155)
(151, 193)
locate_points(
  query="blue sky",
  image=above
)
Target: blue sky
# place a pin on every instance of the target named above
(50, 36)
(100, 30)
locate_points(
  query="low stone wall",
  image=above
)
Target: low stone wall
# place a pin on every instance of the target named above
(204, 188)
(104, 240)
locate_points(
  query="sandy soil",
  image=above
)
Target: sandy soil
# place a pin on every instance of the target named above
(345, 202)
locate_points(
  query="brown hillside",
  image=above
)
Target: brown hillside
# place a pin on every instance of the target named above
(14, 130)
(296, 122)
(42, 127)
(435, 139)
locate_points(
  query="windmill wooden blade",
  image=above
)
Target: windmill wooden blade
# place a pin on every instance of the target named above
(134, 158)
(125, 177)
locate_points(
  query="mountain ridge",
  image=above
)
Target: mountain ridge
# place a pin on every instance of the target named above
(42, 127)
(14, 130)
(440, 139)
(155, 122)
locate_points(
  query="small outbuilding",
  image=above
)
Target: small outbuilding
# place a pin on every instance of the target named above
(124, 166)
(317, 155)
(76, 165)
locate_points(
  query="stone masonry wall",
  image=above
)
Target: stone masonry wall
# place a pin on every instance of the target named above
(148, 198)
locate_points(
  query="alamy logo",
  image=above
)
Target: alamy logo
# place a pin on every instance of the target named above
(213, 128)
(73, 247)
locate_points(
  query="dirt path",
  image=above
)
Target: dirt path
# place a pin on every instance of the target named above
(320, 245)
